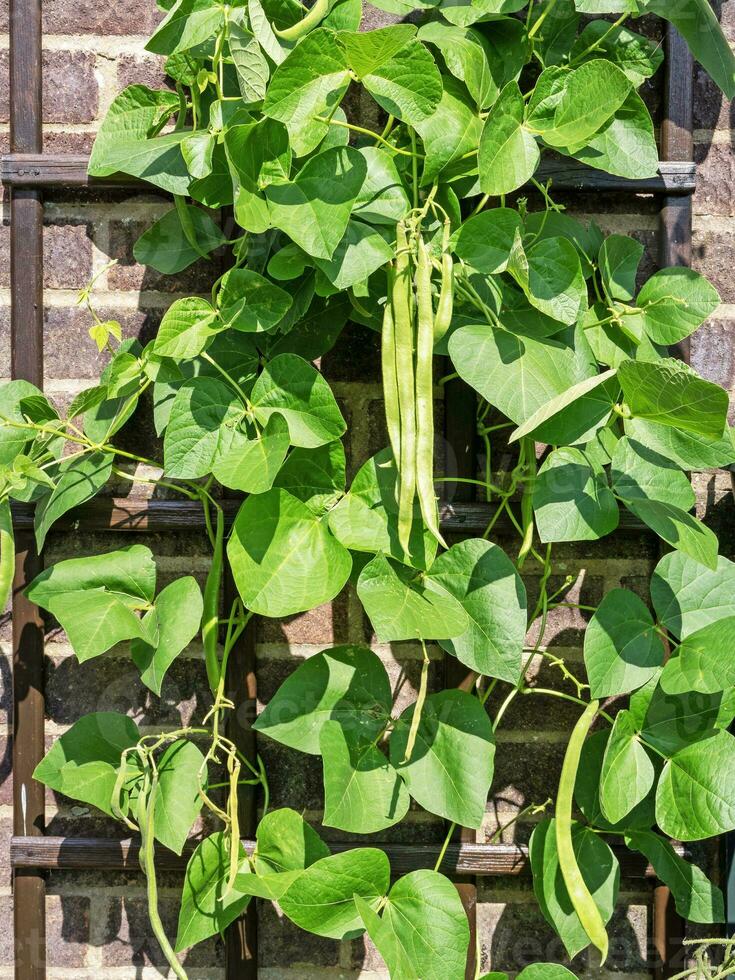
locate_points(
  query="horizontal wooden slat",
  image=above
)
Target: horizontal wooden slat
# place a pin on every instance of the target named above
(135, 514)
(68, 170)
(108, 854)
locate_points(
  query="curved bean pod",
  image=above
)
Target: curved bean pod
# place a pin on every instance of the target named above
(581, 898)
(210, 615)
(7, 553)
(402, 299)
(424, 392)
(317, 14)
(390, 376)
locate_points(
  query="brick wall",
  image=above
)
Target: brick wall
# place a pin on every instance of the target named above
(96, 923)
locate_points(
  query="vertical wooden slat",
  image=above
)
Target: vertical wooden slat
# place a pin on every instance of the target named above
(241, 949)
(26, 277)
(675, 249)
(460, 434)
(677, 144)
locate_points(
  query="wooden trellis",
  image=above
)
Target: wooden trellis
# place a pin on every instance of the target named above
(27, 172)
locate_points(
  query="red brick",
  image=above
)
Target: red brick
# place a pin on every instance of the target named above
(712, 255)
(134, 17)
(67, 930)
(715, 179)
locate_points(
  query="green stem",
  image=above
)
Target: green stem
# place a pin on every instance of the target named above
(418, 707)
(365, 132)
(445, 845)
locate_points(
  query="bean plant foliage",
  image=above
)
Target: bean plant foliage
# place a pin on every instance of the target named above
(406, 231)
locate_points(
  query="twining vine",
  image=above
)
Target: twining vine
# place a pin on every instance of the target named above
(414, 230)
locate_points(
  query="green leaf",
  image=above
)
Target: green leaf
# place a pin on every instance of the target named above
(695, 897)
(404, 604)
(574, 415)
(599, 868)
(696, 793)
(178, 615)
(285, 842)
(704, 660)
(95, 599)
(618, 261)
(486, 240)
(587, 789)
(467, 56)
(423, 933)
(165, 246)
(674, 303)
(186, 328)
(672, 722)
(626, 146)
(591, 95)
(680, 529)
(249, 302)
(291, 387)
(205, 908)
(370, 50)
(670, 393)
(201, 407)
(622, 649)
(188, 24)
(550, 274)
(638, 473)
(627, 773)
(125, 140)
(316, 476)
(78, 480)
(451, 766)
(363, 793)
(178, 801)
(83, 762)
(13, 441)
(508, 154)
(638, 57)
(251, 464)
(197, 151)
(544, 971)
(366, 519)
(408, 85)
(347, 684)
(250, 63)
(284, 560)
(697, 22)
(572, 500)
(518, 373)
(129, 573)
(382, 199)
(321, 900)
(307, 85)
(484, 580)
(688, 450)
(450, 134)
(361, 252)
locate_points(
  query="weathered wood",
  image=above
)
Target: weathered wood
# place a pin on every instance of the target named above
(134, 514)
(69, 170)
(108, 854)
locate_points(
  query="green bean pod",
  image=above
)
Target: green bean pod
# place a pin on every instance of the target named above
(445, 306)
(402, 297)
(7, 552)
(210, 615)
(390, 376)
(317, 14)
(527, 501)
(424, 392)
(582, 901)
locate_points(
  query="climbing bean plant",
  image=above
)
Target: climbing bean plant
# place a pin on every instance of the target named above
(406, 229)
